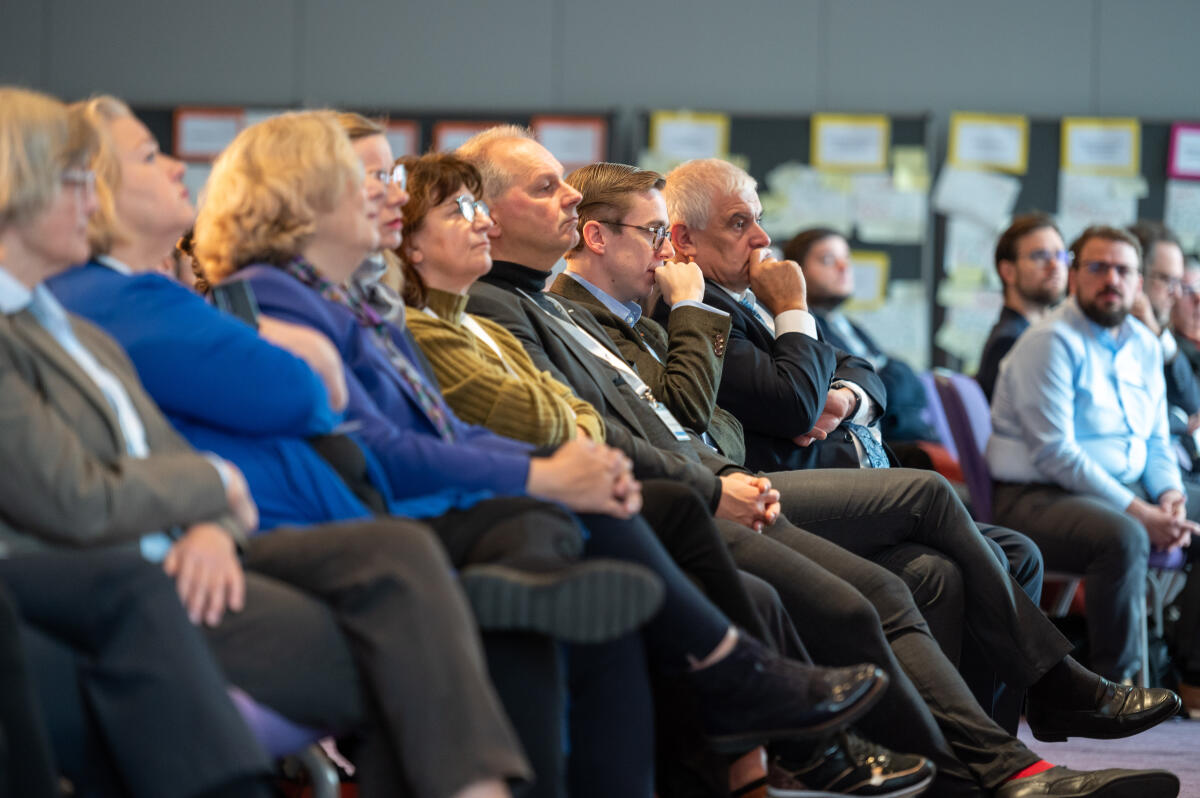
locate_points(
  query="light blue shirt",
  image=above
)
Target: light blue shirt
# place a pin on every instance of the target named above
(1084, 408)
(15, 297)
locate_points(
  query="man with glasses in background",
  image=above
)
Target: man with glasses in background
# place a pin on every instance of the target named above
(1080, 450)
(1162, 259)
(1031, 260)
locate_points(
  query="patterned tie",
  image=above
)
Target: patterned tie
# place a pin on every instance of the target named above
(875, 453)
(428, 398)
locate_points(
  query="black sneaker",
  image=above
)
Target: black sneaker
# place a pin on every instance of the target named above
(587, 602)
(850, 765)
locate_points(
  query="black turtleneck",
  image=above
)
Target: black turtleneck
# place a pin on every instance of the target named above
(508, 275)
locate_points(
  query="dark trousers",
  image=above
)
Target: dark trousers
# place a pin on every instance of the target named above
(26, 766)
(1085, 535)
(133, 699)
(361, 626)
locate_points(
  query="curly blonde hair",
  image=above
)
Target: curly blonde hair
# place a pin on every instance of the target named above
(38, 140)
(268, 187)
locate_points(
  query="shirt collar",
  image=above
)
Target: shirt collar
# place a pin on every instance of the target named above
(630, 312)
(1108, 337)
(117, 266)
(741, 297)
(14, 296)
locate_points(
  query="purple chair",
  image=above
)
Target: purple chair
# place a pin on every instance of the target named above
(935, 414)
(970, 422)
(281, 737)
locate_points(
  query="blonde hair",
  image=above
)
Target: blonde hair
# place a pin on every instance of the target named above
(692, 185)
(104, 228)
(477, 151)
(357, 126)
(267, 188)
(38, 140)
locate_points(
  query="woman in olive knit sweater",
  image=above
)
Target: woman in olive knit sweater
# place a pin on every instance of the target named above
(484, 372)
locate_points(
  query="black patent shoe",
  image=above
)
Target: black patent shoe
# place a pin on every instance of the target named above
(1059, 782)
(1119, 711)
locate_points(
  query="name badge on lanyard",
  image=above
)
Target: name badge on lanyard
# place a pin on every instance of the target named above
(631, 378)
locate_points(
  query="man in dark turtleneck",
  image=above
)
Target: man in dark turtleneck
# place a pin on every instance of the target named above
(536, 221)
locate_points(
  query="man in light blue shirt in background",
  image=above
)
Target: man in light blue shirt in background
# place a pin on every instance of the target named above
(1080, 449)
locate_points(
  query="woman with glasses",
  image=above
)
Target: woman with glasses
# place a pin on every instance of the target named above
(484, 372)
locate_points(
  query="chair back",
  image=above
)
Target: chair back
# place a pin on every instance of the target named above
(935, 413)
(970, 421)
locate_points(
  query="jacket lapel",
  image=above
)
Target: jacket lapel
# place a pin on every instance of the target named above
(50, 355)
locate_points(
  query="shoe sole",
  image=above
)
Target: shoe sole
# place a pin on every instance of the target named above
(744, 741)
(589, 602)
(1056, 737)
(1142, 785)
(903, 792)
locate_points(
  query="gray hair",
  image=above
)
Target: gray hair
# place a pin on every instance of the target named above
(691, 187)
(477, 152)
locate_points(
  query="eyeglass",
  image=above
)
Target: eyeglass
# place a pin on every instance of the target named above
(470, 207)
(82, 179)
(1123, 270)
(1189, 289)
(397, 175)
(1044, 256)
(1174, 284)
(658, 233)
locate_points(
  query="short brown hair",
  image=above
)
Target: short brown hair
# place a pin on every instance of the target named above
(608, 190)
(1108, 234)
(1023, 225)
(432, 178)
(798, 248)
(1150, 234)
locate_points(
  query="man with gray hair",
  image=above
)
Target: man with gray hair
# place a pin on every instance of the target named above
(536, 216)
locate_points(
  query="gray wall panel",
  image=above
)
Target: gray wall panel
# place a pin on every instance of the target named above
(22, 33)
(1148, 59)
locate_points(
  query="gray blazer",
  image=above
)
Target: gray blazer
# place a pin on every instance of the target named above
(65, 477)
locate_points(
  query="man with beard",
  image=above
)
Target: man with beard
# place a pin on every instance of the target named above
(1031, 260)
(1080, 448)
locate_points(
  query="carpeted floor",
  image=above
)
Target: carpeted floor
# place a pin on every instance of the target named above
(1173, 746)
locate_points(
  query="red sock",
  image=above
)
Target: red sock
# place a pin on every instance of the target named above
(1037, 767)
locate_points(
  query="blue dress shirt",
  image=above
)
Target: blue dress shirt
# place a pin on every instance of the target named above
(1083, 407)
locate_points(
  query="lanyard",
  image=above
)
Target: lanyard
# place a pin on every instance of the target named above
(631, 378)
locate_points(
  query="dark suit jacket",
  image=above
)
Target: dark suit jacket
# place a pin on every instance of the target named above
(630, 425)
(906, 400)
(681, 364)
(68, 480)
(1004, 334)
(777, 386)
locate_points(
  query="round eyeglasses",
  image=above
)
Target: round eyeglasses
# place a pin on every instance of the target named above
(470, 207)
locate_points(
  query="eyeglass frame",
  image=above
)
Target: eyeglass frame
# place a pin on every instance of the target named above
(660, 232)
(1174, 284)
(469, 207)
(81, 179)
(1063, 257)
(387, 178)
(1097, 267)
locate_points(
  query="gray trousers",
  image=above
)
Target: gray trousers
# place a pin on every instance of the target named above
(1084, 535)
(361, 626)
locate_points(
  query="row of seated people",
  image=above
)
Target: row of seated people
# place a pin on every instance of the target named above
(1057, 468)
(552, 485)
(1092, 395)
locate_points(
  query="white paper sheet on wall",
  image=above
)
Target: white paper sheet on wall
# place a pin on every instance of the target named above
(1182, 211)
(1085, 200)
(986, 197)
(901, 323)
(884, 214)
